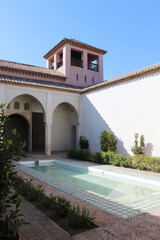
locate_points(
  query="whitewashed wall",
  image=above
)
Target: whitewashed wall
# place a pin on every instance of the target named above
(126, 108)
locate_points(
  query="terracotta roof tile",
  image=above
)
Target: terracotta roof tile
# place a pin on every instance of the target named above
(30, 68)
(63, 86)
(76, 43)
(38, 83)
(124, 77)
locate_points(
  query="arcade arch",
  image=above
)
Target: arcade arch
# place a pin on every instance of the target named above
(32, 111)
(64, 130)
(21, 124)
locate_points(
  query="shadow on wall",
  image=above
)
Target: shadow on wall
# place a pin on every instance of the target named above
(92, 126)
(148, 149)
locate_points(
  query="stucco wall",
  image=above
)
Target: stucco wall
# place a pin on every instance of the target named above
(126, 108)
(72, 71)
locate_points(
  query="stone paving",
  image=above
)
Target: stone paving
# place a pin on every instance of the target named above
(40, 226)
(144, 226)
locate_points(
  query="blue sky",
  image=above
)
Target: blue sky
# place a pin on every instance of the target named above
(128, 29)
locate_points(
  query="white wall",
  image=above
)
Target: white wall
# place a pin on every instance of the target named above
(126, 108)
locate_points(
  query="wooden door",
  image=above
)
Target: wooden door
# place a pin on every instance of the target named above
(38, 132)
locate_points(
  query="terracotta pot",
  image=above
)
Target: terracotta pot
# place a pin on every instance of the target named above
(18, 236)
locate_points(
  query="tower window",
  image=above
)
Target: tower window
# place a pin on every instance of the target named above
(26, 106)
(93, 62)
(85, 78)
(16, 105)
(60, 59)
(61, 55)
(76, 59)
(77, 77)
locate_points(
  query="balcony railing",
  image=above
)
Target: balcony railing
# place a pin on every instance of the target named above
(93, 66)
(76, 62)
(59, 64)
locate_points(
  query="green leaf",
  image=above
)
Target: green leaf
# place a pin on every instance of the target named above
(14, 132)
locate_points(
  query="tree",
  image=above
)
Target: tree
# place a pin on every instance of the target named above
(138, 148)
(10, 218)
(107, 141)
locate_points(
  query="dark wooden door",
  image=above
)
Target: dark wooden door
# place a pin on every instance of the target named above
(38, 132)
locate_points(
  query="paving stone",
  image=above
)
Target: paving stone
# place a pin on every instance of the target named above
(39, 227)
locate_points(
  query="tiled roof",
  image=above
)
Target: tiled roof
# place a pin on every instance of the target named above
(67, 87)
(75, 43)
(38, 83)
(30, 68)
(125, 77)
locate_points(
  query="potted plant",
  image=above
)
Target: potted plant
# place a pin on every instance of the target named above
(10, 217)
(138, 148)
(84, 144)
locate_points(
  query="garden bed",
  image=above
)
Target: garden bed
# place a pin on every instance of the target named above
(72, 219)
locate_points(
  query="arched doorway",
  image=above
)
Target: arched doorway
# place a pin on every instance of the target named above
(21, 125)
(64, 127)
(28, 107)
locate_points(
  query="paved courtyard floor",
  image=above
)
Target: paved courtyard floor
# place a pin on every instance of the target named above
(110, 227)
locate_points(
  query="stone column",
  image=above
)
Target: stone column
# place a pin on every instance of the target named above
(48, 123)
(48, 139)
(55, 61)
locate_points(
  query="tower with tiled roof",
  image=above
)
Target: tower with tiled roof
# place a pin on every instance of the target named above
(81, 63)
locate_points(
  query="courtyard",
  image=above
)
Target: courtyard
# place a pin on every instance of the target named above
(142, 226)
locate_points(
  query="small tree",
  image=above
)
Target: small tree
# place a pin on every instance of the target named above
(138, 148)
(10, 219)
(107, 141)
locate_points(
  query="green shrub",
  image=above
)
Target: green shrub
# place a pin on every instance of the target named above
(147, 163)
(97, 157)
(80, 219)
(138, 148)
(61, 207)
(156, 169)
(112, 158)
(116, 160)
(81, 154)
(107, 141)
(126, 162)
(36, 193)
(108, 156)
(84, 154)
(84, 144)
(73, 153)
(47, 202)
(26, 188)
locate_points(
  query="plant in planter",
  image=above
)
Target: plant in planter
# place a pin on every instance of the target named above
(84, 144)
(138, 147)
(10, 217)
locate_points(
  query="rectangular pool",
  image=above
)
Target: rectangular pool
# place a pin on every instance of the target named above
(115, 186)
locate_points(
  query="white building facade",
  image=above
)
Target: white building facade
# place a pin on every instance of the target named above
(52, 108)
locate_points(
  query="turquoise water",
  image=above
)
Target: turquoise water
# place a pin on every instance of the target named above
(120, 190)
